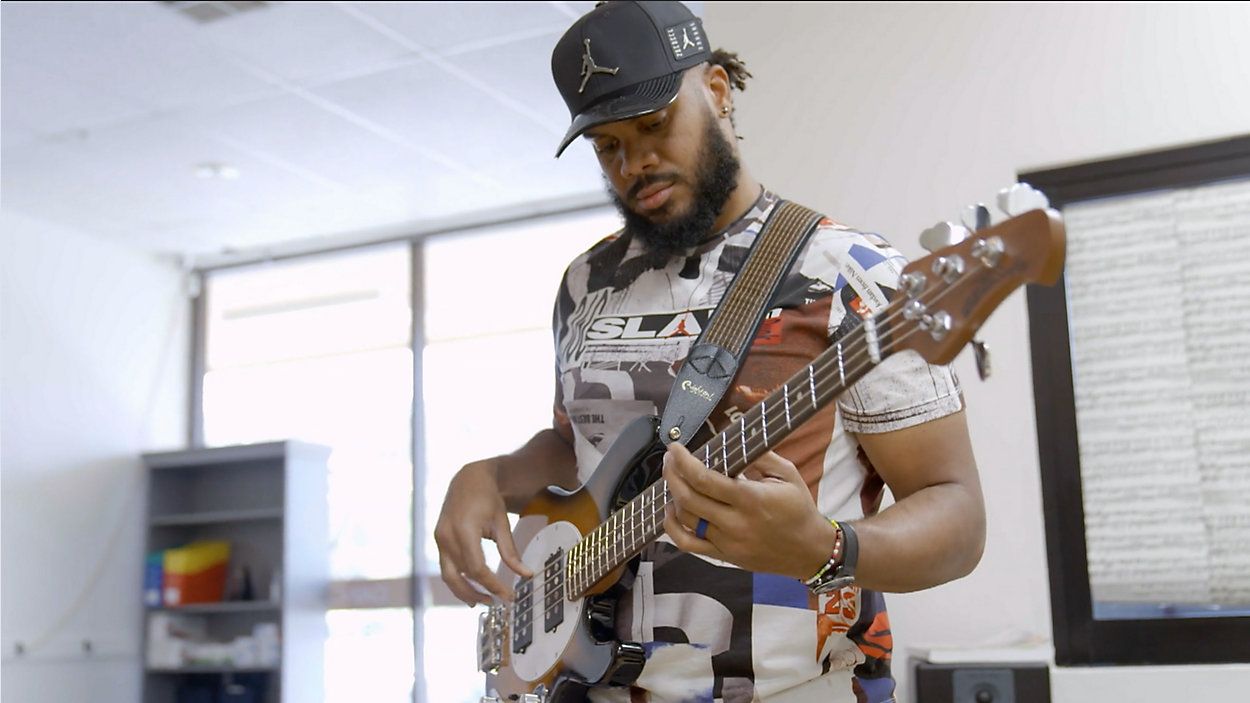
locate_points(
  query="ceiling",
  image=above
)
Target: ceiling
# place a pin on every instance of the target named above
(331, 122)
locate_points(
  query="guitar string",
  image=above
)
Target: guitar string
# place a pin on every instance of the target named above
(853, 356)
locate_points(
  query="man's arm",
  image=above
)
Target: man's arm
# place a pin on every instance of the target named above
(934, 532)
(476, 507)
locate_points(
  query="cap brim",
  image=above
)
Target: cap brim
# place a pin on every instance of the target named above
(642, 99)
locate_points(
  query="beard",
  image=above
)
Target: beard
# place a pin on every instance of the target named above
(715, 180)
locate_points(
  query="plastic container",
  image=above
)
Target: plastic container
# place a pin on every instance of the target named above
(196, 573)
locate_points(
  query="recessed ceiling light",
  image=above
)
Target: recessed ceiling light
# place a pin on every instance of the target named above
(210, 170)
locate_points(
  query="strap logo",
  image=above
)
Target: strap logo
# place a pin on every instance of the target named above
(700, 391)
(589, 68)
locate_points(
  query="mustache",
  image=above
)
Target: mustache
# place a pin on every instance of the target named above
(650, 180)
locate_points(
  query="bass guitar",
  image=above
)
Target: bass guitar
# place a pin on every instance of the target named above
(556, 640)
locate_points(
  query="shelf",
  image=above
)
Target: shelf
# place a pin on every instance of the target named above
(215, 669)
(234, 454)
(216, 516)
(243, 495)
(242, 606)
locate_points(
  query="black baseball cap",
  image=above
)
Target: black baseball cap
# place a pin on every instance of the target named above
(625, 59)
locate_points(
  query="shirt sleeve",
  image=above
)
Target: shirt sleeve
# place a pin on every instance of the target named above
(559, 328)
(903, 390)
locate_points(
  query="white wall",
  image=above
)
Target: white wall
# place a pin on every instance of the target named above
(93, 371)
(891, 117)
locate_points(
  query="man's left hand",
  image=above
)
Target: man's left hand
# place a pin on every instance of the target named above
(765, 523)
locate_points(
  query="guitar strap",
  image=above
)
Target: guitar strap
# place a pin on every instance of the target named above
(717, 354)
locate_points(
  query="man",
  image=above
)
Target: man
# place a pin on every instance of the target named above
(730, 605)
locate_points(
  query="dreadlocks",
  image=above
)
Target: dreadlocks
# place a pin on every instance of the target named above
(737, 70)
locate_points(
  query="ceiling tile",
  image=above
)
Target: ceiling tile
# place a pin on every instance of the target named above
(302, 40)
(521, 71)
(444, 25)
(140, 178)
(49, 104)
(141, 52)
(301, 133)
(428, 106)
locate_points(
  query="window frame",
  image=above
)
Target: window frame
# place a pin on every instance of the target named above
(421, 589)
(1079, 638)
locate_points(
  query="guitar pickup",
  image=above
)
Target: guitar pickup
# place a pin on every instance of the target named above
(490, 638)
(553, 595)
(523, 616)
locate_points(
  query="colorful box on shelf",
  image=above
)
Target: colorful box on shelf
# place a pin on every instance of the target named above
(153, 578)
(196, 573)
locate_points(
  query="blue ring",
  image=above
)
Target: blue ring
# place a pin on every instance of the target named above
(700, 530)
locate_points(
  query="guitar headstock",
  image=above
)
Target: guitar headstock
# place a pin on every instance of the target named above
(947, 295)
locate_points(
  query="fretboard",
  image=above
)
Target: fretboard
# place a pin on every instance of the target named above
(640, 521)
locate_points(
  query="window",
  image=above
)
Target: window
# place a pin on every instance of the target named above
(1142, 389)
(488, 383)
(319, 348)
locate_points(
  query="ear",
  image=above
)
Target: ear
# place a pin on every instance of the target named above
(716, 83)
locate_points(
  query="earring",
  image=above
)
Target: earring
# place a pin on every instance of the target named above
(724, 111)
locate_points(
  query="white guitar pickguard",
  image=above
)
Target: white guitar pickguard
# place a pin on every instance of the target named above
(547, 647)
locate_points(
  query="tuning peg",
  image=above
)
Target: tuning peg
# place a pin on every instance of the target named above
(975, 217)
(982, 352)
(1020, 198)
(942, 235)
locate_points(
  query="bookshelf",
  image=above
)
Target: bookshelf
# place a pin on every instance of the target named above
(269, 502)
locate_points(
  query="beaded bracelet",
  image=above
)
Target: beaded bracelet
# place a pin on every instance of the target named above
(834, 559)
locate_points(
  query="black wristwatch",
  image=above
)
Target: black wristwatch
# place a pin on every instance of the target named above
(839, 571)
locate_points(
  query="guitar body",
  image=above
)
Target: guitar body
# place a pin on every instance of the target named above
(566, 645)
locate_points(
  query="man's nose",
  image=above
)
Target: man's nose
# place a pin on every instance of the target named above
(637, 160)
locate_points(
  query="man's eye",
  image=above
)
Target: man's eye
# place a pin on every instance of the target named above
(604, 147)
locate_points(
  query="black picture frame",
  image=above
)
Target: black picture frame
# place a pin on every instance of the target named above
(1079, 638)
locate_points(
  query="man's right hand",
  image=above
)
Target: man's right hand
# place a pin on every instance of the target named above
(474, 510)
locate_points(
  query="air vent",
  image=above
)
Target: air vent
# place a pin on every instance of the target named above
(204, 12)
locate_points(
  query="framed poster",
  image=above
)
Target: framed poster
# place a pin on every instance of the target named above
(1141, 370)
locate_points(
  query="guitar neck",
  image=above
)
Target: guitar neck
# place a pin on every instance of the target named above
(641, 521)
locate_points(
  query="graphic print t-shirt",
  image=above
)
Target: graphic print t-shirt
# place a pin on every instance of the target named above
(623, 325)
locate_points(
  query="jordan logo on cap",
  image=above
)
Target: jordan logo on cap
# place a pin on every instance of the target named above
(589, 68)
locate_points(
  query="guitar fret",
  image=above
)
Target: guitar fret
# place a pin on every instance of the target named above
(641, 532)
(785, 393)
(633, 525)
(841, 369)
(644, 507)
(604, 535)
(657, 516)
(616, 537)
(650, 512)
(588, 566)
(870, 334)
(611, 545)
(724, 453)
(811, 382)
(764, 420)
(649, 515)
(742, 434)
(598, 558)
